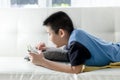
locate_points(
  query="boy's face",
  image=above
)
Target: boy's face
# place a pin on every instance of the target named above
(57, 39)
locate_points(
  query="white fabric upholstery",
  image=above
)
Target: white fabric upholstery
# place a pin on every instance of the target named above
(16, 68)
(20, 27)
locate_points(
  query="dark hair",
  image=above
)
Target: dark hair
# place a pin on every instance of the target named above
(59, 20)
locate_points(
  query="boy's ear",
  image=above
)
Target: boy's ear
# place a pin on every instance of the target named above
(61, 32)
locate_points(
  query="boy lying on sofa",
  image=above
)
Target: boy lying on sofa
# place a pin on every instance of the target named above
(82, 48)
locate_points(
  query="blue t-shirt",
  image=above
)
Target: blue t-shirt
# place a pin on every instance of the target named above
(102, 52)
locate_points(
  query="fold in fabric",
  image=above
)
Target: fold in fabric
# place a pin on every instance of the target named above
(92, 68)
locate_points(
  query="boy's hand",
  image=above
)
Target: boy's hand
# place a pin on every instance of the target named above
(36, 59)
(41, 46)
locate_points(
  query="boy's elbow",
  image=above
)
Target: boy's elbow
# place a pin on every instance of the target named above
(76, 72)
(77, 69)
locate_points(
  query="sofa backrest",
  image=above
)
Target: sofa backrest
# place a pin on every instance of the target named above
(21, 27)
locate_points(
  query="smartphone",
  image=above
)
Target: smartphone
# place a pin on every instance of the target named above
(32, 49)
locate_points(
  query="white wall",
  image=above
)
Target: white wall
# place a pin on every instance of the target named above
(95, 3)
(20, 27)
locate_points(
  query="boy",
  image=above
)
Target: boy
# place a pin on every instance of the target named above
(83, 48)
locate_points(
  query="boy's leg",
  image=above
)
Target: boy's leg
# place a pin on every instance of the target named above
(56, 54)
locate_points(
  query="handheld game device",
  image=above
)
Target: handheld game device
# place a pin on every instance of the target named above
(32, 49)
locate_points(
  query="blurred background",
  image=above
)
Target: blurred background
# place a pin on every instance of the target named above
(21, 21)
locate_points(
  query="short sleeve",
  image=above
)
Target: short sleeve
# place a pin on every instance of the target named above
(78, 54)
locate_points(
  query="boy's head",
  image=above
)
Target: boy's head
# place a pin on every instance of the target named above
(59, 20)
(59, 26)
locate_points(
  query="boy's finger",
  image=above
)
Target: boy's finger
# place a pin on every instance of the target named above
(32, 54)
(43, 48)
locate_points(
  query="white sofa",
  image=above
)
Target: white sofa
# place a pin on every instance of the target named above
(16, 68)
(20, 27)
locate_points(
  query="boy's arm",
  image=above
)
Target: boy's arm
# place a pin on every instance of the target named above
(38, 59)
(61, 67)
